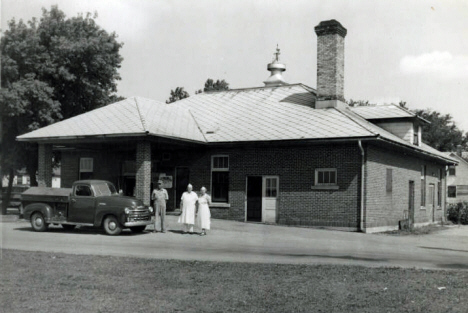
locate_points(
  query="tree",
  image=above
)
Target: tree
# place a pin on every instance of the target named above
(211, 85)
(178, 94)
(443, 133)
(51, 69)
(359, 103)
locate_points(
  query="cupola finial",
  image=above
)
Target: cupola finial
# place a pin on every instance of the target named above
(276, 68)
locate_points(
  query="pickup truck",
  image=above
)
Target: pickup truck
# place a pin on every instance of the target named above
(90, 203)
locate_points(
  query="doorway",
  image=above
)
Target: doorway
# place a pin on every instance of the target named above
(262, 198)
(182, 179)
(254, 198)
(411, 204)
(129, 186)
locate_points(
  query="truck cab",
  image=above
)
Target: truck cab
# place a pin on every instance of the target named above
(88, 203)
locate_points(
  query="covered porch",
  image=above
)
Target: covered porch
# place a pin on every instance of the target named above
(133, 164)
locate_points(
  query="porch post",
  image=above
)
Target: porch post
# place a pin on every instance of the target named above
(44, 168)
(143, 172)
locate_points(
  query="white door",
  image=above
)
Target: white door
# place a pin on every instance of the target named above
(270, 198)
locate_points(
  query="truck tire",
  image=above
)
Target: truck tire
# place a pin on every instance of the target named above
(68, 226)
(112, 226)
(137, 229)
(38, 222)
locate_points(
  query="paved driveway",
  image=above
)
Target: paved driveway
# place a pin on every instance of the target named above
(246, 242)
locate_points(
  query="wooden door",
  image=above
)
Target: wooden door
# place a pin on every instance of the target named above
(431, 204)
(411, 204)
(270, 198)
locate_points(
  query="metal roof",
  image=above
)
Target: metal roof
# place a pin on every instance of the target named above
(238, 115)
(387, 111)
(132, 116)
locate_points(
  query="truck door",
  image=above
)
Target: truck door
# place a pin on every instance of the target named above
(82, 204)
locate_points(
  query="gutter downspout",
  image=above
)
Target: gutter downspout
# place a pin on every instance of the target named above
(363, 163)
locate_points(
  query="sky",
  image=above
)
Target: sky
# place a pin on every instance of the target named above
(415, 51)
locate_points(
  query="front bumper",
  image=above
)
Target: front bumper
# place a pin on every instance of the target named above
(139, 223)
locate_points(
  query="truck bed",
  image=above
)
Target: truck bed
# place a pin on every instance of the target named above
(46, 194)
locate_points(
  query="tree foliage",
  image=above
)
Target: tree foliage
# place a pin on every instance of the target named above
(52, 68)
(443, 133)
(177, 94)
(211, 85)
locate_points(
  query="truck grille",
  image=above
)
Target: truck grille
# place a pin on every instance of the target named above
(139, 216)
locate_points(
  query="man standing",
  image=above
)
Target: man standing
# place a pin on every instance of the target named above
(160, 197)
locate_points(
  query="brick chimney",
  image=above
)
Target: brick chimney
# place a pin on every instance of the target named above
(330, 65)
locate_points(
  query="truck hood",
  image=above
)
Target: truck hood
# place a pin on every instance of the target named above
(120, 201)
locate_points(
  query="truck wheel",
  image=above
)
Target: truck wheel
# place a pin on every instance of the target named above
(137, 229)
(68, 226)
(112, 226)
(38, 222)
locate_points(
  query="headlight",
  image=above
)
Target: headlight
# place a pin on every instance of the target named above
(127, 211)
(150, 209)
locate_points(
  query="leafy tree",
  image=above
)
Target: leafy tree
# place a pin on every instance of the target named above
(443, 133)
(51, 69)
(211, 85)
(178, 94)
(358, 103)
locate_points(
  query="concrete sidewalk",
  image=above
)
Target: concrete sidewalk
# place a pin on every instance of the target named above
(247, 242)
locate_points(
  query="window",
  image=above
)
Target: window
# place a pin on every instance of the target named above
(431, 195)
(86, 168)
(271, 188)
(220, 178)
(389, 180)
(423, 185)
(83, 191)
(452, 171)
(104, 189)
(452, 192)
(415, 134)
(325, 176)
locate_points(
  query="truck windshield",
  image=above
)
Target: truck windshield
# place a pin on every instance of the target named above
(104, 189)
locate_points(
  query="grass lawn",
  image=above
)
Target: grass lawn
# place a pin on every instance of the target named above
(53, 282)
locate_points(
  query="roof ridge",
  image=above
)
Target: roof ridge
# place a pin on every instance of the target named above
(142, 119)
(254, 88)
(349, 113)
(196, 123)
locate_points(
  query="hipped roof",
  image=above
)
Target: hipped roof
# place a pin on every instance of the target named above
(239, 115)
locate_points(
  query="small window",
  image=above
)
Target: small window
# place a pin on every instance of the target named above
(271, 188)
(452, 171)
(416, 134)
(452, 191)
(389, 180)
(325, 176)
(220, 163)
(83, 191)
(86, 168)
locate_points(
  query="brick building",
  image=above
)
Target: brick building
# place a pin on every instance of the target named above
(282, 153)
(457, 177)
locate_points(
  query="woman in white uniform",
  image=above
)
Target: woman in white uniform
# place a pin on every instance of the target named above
(203, 211)
(188, 201)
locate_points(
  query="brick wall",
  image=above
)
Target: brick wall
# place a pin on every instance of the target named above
(295, 166)
(385, 208)
(143, 171)
(44, 170)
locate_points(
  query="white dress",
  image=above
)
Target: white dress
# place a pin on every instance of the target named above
(204, 215)
(188, 208)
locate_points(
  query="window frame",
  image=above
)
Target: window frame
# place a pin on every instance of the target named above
(219, 169)
(83, 185)
(389, 180)
(448, 191)
(323, 170)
